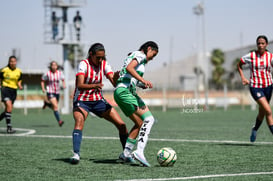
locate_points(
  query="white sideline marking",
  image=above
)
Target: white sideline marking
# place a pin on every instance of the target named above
(209, 141)
(202, 176)
(26, 133)
(30, 133)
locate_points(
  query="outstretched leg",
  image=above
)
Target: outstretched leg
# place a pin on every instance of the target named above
(113, 116)
(258, 123)
(148, 121)
(79, 116)
(263, 103)
(55, 108)
(8, 110)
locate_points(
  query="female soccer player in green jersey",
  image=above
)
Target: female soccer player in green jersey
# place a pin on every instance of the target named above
(132, 105)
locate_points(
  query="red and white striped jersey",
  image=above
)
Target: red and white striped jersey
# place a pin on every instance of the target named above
(260, 68)
(92, 75)
(52, 80)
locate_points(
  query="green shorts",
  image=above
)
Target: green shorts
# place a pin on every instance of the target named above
(127, 102)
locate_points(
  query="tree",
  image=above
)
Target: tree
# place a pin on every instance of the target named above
(235, 63)
(217, 59)
(71, 54)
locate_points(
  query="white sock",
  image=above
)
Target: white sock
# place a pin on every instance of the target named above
(129, 146)
(144, 133)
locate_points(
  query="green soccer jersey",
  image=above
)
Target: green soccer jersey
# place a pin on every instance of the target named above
(126, 79)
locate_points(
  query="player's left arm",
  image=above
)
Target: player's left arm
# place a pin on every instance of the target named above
(1, 77)
(113, 77)
(63, 80)
(110, 75)
(64, 84)
(271, 62)
(19, 83)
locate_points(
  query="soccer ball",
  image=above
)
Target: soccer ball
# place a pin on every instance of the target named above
(166, 157)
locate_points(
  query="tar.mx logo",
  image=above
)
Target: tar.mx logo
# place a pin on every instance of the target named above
(191, 105)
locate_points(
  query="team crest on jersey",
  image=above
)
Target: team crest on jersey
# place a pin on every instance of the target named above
(258, 94)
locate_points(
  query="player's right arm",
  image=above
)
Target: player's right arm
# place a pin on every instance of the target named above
(1, 77)
(43, 79)
(240, 70)
(19, 83)
(43, 86)
(83, 86)
(80, 77)
(131, 69)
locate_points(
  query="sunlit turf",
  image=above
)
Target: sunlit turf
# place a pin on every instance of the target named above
(37, 157)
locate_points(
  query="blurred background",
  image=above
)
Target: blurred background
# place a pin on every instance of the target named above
(200, 43)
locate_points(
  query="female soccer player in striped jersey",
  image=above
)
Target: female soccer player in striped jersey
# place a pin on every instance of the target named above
(52, 80)
(88, 96)
(132, 105)
(260, 83)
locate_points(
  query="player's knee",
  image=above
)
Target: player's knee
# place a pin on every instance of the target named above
(268, 112)
(79, 123)
(55, 107)
(139, 124)
(9, 109)
(260, 117)
(79, 118)
(122, 128)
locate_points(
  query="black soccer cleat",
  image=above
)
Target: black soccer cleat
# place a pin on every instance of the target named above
(61, 123)
(10, 130)
(44, 106)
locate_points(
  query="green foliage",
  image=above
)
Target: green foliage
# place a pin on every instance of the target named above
(217, 59)
(235, 63)
(233, 81)
(217, 75)
(71, 54)
(43, 156)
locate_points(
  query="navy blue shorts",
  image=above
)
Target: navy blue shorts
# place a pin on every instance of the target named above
(52, 95)
(258, 93)
(96, 107)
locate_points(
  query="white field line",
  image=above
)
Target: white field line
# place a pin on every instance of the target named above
(24, 132)
(202, 176)
(31, 132)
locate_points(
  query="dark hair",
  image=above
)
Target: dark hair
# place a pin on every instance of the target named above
(12, 56)
(263, 37)
(94, 48)
(145, 46)
(50, 64)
